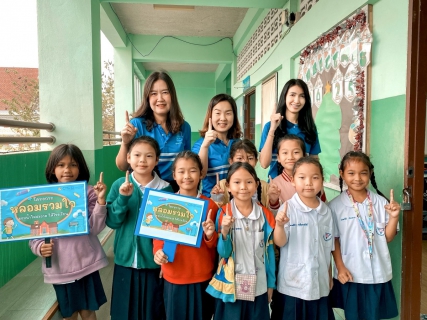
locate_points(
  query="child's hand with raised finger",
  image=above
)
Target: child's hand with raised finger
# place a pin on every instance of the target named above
(126, 188)
(208, 226)
(282, 216)
(227, 222)
(100, 189)
(393, 208)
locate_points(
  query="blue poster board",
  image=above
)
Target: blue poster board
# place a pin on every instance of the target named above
(171, 217)
(246, 83)
(53, 210)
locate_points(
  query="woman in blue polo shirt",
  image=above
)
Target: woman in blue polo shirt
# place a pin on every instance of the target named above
(159, 117)
(220, 129)
(293, 116)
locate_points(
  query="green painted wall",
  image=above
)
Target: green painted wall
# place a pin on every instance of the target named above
(111, 173)
(123, 85)
(388, 85)
(26, 169)
(389, 140)
(23, 169)
(171, 49)
(69, 53)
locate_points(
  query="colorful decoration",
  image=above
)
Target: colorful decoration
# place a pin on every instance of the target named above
(328, 122)
(53, 210)
(171, 217)
(335, 68)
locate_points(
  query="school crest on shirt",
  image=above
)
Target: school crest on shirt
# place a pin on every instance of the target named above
(261, 244)
(327, 236)
(380, 231)
(179, 138)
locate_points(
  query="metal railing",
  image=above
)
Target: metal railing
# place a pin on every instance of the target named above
(41, 126)
(27, 125)
(109, 139)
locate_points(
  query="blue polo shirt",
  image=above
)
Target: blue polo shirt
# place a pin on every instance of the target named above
(218, 155)
(292, 129)
(170, 144)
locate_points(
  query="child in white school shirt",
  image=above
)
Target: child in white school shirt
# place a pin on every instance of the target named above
(365, 222)
(304, 233)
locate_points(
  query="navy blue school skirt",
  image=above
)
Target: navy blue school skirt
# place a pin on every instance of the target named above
(291, 308)
(188, 301)
(137, 294)
(86, 293)
(365, 300)
(243, 310)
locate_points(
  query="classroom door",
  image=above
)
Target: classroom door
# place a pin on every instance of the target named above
(416, 94)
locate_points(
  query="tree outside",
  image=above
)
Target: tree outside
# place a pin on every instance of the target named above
(108, 101)
(24, 105)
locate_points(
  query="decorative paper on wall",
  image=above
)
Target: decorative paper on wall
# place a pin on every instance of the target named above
(263, 39)
(336, 68)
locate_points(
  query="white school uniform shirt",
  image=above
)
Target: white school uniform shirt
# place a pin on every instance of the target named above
(156, 183)
(353, 242)
(306, 257)
(249, 245)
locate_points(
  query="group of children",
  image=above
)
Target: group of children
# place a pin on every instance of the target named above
(247, 220)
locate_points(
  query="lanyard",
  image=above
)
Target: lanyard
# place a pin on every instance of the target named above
(247, 222)
(369, 232)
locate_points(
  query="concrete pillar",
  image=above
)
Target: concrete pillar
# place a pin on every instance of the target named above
(70, 75)
(123, 84)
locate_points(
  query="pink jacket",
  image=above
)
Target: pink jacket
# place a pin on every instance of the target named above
(75, 257)
(287, 190)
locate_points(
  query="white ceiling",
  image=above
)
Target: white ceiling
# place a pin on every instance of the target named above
(202, 21)
(179, 67)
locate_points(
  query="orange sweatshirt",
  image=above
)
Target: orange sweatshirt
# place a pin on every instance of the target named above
(191, 264)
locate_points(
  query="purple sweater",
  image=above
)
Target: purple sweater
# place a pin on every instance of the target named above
(77, 256)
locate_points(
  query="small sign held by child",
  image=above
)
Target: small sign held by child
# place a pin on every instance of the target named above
(171, 217)
(44, 211)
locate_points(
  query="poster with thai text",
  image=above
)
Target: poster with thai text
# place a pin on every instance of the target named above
(43, 211)
(171, 217)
